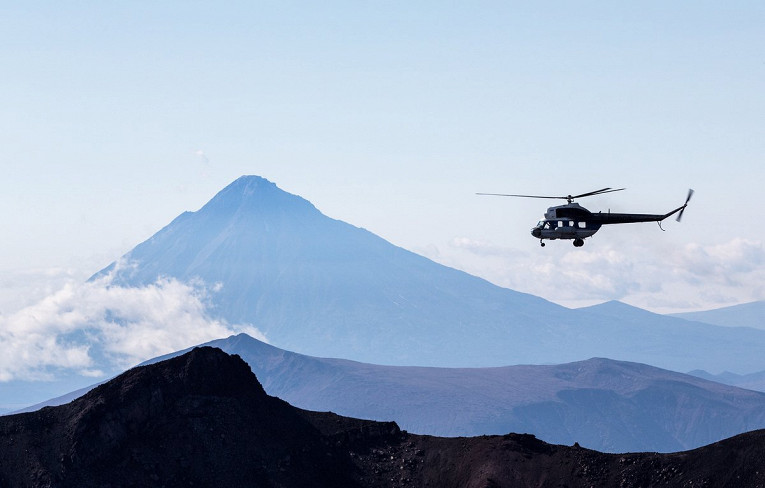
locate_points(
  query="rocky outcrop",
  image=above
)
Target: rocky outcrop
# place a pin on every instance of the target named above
(203, 419)
(200, 419)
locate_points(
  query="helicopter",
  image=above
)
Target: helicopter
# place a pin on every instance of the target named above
(574, 222)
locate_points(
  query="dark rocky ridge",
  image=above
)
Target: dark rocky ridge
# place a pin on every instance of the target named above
(605, 405)
(202, 419)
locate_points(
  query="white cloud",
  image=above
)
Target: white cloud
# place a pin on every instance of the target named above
(20, 288)
(95, 326)
(478, 247)
(199, 153)
(651, 274)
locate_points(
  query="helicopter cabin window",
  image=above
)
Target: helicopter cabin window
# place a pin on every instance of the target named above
(582, 225)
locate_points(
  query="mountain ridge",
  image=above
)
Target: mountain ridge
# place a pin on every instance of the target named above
(154, 423)
(603, 404)
(202, 418)
(630, 403)
(750, 314)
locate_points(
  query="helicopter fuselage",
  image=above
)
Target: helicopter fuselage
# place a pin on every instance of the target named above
(572, 221)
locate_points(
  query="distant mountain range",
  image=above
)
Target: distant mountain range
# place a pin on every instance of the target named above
(751, 381)
(745, 315)
(751, 315)
(611, 406)
(322, 287)
(203, 419)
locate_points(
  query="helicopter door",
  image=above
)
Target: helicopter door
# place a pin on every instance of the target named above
(567, 229)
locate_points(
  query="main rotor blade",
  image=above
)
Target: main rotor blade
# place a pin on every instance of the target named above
(522, 196)
(564, 197)
(596, 192)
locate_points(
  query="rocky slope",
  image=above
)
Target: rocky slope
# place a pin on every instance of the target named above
(202, 419)
(606, 405)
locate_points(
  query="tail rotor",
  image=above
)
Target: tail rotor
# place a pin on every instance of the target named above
(690, 194)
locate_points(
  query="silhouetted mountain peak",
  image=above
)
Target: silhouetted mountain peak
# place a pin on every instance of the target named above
(198, 419)
(202, 371)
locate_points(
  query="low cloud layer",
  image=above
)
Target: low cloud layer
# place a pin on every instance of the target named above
(647, 274)
(96, 328)
(21, 288)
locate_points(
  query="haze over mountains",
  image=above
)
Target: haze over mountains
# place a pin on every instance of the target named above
(322, 287)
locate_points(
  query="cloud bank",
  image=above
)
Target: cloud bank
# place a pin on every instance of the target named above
(648, 274)
(97, 328)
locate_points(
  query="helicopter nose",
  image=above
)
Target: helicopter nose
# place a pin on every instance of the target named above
(536, 232)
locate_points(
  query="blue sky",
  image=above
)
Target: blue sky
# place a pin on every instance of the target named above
(118, 116)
